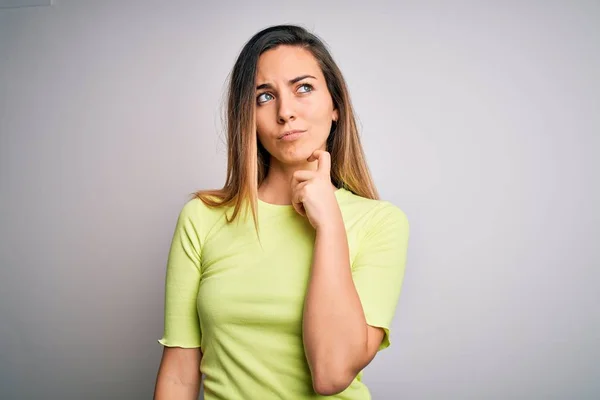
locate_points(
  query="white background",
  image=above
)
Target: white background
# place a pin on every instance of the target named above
(480, 120)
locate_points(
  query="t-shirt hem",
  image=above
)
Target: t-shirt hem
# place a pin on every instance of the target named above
(169, 343)
(386, 341)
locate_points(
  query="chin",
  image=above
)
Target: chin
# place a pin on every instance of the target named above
(295, 156)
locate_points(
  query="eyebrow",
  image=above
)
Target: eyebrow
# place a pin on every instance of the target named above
(291, 82)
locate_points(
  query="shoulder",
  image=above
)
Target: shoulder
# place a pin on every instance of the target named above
(200, 215)
(195, 206)
(374, 213)
(386, 212)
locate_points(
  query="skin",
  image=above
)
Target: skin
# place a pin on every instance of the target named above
(338, 342)
(179, 374)
(337, 339)
(305, 105)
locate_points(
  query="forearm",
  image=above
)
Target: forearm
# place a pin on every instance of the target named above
(171, 388)
(334, 325)
(179, 374)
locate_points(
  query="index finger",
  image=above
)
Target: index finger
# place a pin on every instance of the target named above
(323, 161)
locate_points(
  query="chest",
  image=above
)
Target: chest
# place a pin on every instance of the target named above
(256, 281)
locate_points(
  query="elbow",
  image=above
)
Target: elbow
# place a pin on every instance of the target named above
(331, 382)
(326, 387)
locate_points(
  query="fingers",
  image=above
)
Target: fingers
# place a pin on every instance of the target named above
(323, 161)
(298, 193)
(299, 209)
(302, 176)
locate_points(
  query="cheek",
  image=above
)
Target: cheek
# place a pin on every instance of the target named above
(263, 140)
(262, 126)
(319, 111)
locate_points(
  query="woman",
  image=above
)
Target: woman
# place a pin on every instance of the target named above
(283, 284)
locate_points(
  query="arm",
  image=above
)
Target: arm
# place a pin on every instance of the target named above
(338, 341)
(179, 374)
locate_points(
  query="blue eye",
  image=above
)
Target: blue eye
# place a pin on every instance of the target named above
(308, 86)
(262, 94)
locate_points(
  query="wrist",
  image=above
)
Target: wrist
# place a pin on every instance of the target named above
(334, 224)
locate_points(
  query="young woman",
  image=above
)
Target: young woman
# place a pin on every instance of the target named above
(283, 284)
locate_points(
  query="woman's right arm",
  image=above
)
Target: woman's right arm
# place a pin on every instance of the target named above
(179, 374)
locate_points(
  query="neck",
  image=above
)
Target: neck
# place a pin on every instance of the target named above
(276, 188)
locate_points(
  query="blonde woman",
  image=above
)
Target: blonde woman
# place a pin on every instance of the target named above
(283, 284)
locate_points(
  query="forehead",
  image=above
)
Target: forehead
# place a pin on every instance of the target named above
(286, 62)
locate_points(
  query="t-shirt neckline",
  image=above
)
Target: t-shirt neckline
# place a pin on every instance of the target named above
(288, 207)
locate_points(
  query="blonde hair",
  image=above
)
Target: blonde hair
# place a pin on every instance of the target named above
(247, 159)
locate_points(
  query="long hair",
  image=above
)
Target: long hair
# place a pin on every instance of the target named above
(247, 159)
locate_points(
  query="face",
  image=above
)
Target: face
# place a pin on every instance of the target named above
(292, 95)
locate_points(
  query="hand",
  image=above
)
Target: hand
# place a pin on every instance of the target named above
(313, 194)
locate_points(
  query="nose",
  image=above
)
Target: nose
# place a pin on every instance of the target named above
(286, 111)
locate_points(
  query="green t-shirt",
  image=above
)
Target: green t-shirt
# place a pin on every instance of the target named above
(241, 300)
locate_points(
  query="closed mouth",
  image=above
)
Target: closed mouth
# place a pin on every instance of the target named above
(290, 133)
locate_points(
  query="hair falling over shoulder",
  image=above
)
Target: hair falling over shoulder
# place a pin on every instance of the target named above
(248, 161)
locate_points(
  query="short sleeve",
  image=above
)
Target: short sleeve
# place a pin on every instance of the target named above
(378, 268)
(181, 323)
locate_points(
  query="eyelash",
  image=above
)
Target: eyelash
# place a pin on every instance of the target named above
(311, 88)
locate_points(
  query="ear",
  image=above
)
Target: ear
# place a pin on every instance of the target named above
(335, 115)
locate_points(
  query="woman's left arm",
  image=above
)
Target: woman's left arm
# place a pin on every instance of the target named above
(338, 342)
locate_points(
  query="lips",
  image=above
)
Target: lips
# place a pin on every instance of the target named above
(291, 134)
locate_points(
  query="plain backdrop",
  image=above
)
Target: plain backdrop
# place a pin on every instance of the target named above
(480, 119)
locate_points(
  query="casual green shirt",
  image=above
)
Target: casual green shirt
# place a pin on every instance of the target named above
(240, 299)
